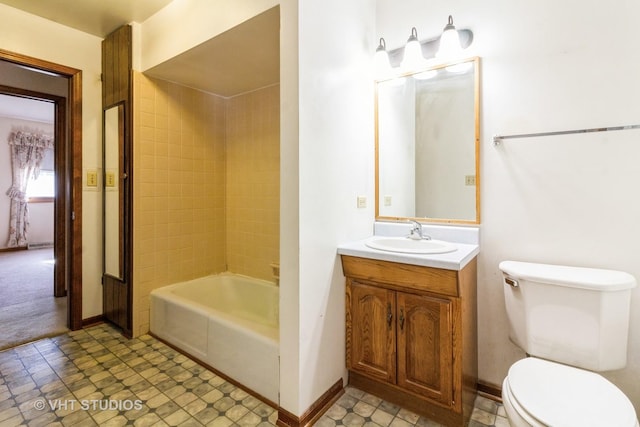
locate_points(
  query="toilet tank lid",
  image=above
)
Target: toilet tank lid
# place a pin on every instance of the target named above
(575, 277)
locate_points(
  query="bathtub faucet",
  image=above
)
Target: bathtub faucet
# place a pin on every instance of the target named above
(416, 231)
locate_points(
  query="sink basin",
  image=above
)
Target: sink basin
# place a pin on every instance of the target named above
(410, 246)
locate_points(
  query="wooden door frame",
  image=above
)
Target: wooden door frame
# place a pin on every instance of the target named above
(69, 197)
(60, 166)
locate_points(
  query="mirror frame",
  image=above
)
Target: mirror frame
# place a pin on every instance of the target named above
(121, 192)
(476, 75)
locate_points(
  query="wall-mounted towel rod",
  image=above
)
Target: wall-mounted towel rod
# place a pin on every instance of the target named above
(497, 139)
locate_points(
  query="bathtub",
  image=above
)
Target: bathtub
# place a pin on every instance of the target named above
(228, 321)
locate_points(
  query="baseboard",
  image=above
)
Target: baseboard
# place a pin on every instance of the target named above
(92, 321)
(490, 391)
(17, 248)
(315, 411)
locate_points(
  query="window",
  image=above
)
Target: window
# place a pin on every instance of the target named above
(43, 187)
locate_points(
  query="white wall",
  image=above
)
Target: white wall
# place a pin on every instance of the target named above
(573, 199)
(336, 164)
(30, 35)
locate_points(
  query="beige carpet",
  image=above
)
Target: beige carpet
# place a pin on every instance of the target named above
(28, 309)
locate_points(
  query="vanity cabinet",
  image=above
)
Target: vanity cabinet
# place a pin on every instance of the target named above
(412, 336)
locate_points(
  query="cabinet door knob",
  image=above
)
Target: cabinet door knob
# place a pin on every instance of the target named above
(401, 318)
(389, 314)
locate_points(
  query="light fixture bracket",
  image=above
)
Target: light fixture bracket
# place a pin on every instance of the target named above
(449, 25)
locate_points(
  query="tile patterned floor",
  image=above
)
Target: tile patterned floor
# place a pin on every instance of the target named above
(96, 377)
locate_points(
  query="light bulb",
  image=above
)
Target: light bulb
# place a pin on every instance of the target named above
(449, 42)
(382, 67)
(413, 58)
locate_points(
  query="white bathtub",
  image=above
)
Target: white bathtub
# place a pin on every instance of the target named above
(229, 322)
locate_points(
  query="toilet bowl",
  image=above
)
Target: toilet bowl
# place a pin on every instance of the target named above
(541, 393)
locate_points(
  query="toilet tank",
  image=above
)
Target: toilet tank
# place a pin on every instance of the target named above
(572, 315)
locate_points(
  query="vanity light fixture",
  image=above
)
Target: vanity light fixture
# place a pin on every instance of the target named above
(418, 54)
(413, 58)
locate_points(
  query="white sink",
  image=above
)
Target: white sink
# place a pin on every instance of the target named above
(410, 246)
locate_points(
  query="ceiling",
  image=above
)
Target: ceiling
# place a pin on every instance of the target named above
(16, 107)
(97, 17)
(242, 59)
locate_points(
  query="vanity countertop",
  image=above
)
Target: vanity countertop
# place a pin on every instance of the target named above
(455, 260)
(466, 239)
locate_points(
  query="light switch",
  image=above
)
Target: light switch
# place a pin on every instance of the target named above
(469, 180)
(387, 200)
(110, 178)
(362, 202)
(92, 178)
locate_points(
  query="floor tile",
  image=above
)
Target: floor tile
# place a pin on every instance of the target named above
(96, 377)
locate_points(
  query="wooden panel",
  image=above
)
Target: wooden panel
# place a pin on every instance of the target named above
(115, 297)
(425, 346)
(373, 331)
(117, 88)
(116, 67)
(402, 276)
(468, 356)
(61, 202)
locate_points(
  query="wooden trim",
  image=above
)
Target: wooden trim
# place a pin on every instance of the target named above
(71, 195)
(60, 164)
(394, 394)
(476, 62)
(18, 248)
(75, 110)
(61, 201)
(41, 64)
(490, 391)
(315, 411)
(92, 321)
(402, 277)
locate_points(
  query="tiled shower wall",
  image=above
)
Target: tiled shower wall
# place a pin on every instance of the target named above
(253, 182)
(206, 169)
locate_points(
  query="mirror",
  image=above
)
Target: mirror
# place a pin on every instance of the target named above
(113, 191)
(427, 141)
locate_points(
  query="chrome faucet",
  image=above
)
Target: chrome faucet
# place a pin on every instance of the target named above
(416, 231)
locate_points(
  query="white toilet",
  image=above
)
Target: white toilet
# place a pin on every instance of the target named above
(570, 321)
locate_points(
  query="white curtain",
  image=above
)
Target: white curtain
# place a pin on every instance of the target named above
(27, 152)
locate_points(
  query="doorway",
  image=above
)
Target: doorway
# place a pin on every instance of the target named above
(68, 172)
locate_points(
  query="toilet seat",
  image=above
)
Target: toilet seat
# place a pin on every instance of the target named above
(563, 396)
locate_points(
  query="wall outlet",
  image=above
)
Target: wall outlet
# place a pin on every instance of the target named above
(387, 200)
(362, 202)
(469, 180)
(92, 178)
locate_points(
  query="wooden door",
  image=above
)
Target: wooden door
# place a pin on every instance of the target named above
(425, 342)
(371, 330)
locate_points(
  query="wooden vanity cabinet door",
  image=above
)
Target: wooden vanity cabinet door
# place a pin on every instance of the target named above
(425, 340)
(373, 331)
